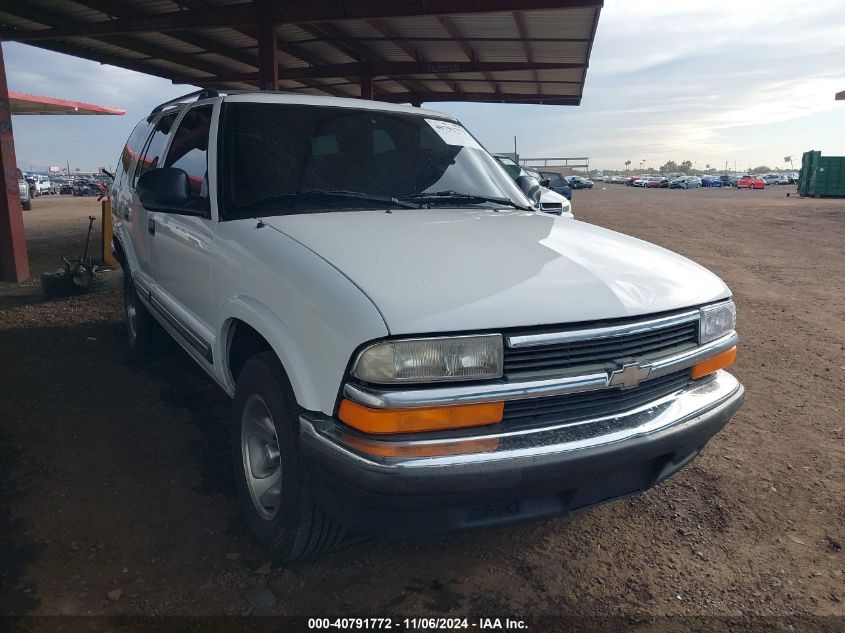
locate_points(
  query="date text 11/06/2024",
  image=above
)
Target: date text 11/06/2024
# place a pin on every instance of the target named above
(416, 623)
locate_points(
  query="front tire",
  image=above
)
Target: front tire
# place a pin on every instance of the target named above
(274, 486)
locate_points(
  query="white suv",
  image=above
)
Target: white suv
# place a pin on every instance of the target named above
(410, 346)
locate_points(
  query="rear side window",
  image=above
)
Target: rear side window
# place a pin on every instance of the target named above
(155, 148)
(132, 149)
(189, 149)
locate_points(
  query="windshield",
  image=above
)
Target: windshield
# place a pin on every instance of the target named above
(277, 157)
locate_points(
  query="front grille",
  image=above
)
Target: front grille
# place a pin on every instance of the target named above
(581, 406)
(602, 351)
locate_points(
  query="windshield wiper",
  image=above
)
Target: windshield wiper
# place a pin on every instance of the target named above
(469, 198)
(325, 193)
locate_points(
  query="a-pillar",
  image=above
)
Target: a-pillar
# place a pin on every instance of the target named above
(14, 263)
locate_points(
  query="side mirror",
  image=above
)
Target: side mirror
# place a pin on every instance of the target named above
(545, 182)
(531, 188)
(168, 189)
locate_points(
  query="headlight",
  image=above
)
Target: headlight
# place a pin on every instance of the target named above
(431, 360)
(716, 321)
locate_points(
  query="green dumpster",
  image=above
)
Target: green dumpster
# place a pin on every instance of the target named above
(821, 175)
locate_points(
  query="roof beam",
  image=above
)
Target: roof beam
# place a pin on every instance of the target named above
(249, 14)
(519, 19)
(350, 48)
(388, 31)
(25, 9)
(452, 29)
(379, 68)
(194, 39)
(488, 97)
(388, 69)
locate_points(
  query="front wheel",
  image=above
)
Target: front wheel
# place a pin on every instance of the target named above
(274, 486)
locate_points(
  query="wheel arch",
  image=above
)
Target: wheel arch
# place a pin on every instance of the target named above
(248, 328)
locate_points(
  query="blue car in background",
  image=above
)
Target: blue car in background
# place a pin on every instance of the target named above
(558, 184)
(711, 181)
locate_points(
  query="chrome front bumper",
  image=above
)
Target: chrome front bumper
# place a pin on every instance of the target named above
(406, 487)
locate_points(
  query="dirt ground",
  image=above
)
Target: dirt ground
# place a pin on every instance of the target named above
(116, 476)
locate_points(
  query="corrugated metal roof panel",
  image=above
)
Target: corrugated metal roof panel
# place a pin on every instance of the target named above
(491, 38)
(487, 25)
(326, 52)
(567, 23)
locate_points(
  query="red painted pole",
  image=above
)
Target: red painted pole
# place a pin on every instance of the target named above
(14, 263)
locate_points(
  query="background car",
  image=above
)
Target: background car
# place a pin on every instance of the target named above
(550, 201)
(23, 186)
(558, 184)
(657, 182)
(577, 182)
(685, 182)
(772, 179)
(708, 180)
(85, 188)
(640, 181)
(783, 179)
(751, 182)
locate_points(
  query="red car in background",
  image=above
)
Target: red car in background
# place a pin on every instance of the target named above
(657, 182)
(751, 182)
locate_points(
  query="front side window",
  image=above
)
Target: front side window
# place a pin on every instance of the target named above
(275, 157)
(189, 149)
(155, 148)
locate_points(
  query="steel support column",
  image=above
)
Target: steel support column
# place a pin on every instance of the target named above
(367, 87)
(268, 58)
(14, 263)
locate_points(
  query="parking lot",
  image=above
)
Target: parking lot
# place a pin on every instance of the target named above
(116, 475)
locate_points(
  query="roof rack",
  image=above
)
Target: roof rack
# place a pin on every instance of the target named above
(206, 93)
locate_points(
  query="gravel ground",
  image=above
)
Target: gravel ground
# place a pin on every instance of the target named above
(117, 496)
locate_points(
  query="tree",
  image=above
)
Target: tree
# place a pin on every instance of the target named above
(669, 167)
(627, 163)
(762, 169)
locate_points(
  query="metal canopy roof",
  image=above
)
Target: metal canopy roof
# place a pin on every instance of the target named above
(402, 51)
(22, 103)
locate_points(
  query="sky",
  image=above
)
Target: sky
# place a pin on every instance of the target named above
(717, 83)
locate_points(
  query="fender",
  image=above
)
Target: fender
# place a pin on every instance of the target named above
(264, 321)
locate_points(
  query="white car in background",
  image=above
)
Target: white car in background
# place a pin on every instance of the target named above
(42, 185)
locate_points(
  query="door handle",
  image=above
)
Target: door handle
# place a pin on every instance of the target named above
(151, 226)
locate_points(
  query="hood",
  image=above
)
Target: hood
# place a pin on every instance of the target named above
(449, 270)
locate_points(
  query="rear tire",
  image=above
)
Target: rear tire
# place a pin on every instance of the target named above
(274, 486)
(140, 324)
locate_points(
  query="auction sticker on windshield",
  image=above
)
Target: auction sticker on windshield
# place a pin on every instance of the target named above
(453, 134)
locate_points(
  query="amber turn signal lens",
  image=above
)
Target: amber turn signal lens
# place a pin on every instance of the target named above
(714, 363)
(419, 419)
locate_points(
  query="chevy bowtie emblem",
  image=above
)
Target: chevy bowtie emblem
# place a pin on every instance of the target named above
(629, 376)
